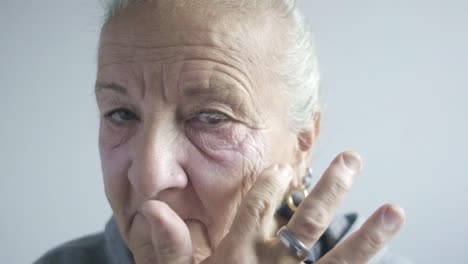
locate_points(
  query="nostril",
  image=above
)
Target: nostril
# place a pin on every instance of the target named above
(149, 183)
(147, 190)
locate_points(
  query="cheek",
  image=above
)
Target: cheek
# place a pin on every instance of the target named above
(112, 136)
(229, 144)
(115, 164)
(222, 169)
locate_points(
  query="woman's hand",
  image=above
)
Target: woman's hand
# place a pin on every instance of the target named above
(248, 240)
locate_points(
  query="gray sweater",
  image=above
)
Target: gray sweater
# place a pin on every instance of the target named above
(108, 247)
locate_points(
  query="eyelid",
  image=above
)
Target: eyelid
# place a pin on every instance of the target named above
(216, 108)
(108, 115)
(115, 103)
(212, 112)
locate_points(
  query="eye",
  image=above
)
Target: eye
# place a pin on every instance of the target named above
(121, 115)
(212, 117)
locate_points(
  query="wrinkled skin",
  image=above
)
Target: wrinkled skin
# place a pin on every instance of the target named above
(190, 118)
(178, 77)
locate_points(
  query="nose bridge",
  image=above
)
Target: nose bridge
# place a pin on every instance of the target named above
(154, 166)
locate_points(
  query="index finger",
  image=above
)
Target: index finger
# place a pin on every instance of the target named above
(169, 234)
(260, 203)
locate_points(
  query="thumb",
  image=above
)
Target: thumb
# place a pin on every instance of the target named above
(169, 234)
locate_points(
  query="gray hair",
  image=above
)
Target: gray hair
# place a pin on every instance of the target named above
(298, 70)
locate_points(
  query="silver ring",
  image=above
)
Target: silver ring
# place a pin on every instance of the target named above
(293, 244)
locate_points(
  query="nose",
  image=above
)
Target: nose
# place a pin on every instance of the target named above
(155, 165)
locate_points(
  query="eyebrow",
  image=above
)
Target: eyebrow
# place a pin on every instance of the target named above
(110, 86)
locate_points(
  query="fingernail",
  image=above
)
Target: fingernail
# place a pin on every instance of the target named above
(352, 161)
(393, 217)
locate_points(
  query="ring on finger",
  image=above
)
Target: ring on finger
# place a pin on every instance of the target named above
(293, 244)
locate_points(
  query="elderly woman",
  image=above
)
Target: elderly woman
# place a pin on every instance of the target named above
(209, 112)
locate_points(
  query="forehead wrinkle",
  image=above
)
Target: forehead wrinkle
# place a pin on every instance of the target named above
(217, 70)
(245, 95)
(127, 39)
(240, 92)
(233, 71)
(125, 75)
(123, 54)
(246, 85)
(190, 37)
(124, 57)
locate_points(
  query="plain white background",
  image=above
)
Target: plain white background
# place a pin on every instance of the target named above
(394, 82)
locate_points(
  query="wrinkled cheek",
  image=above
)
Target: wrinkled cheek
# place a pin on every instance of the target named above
(224, 173)
(231, 146)
(248, 160)
(251, 160)
(115, 163)
(247, 164)
(110, 138)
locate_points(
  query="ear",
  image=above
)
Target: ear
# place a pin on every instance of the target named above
(306, 139)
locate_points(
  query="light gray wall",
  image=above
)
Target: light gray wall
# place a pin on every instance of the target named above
(395, 86)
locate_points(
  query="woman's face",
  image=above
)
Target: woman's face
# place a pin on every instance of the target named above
(189, 116)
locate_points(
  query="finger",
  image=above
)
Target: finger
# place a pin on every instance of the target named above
(316, 211)
(169, 234)
(259, 205)
(365, 243)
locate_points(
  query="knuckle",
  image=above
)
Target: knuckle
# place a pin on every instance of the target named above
(341, 183)
(272, 187)
(331, 198)
(373, 241)
(258, 208)
(313, 225)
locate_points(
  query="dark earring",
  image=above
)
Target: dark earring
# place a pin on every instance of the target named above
(294, 198)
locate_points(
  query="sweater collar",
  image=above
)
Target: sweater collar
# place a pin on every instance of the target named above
(116, 249)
